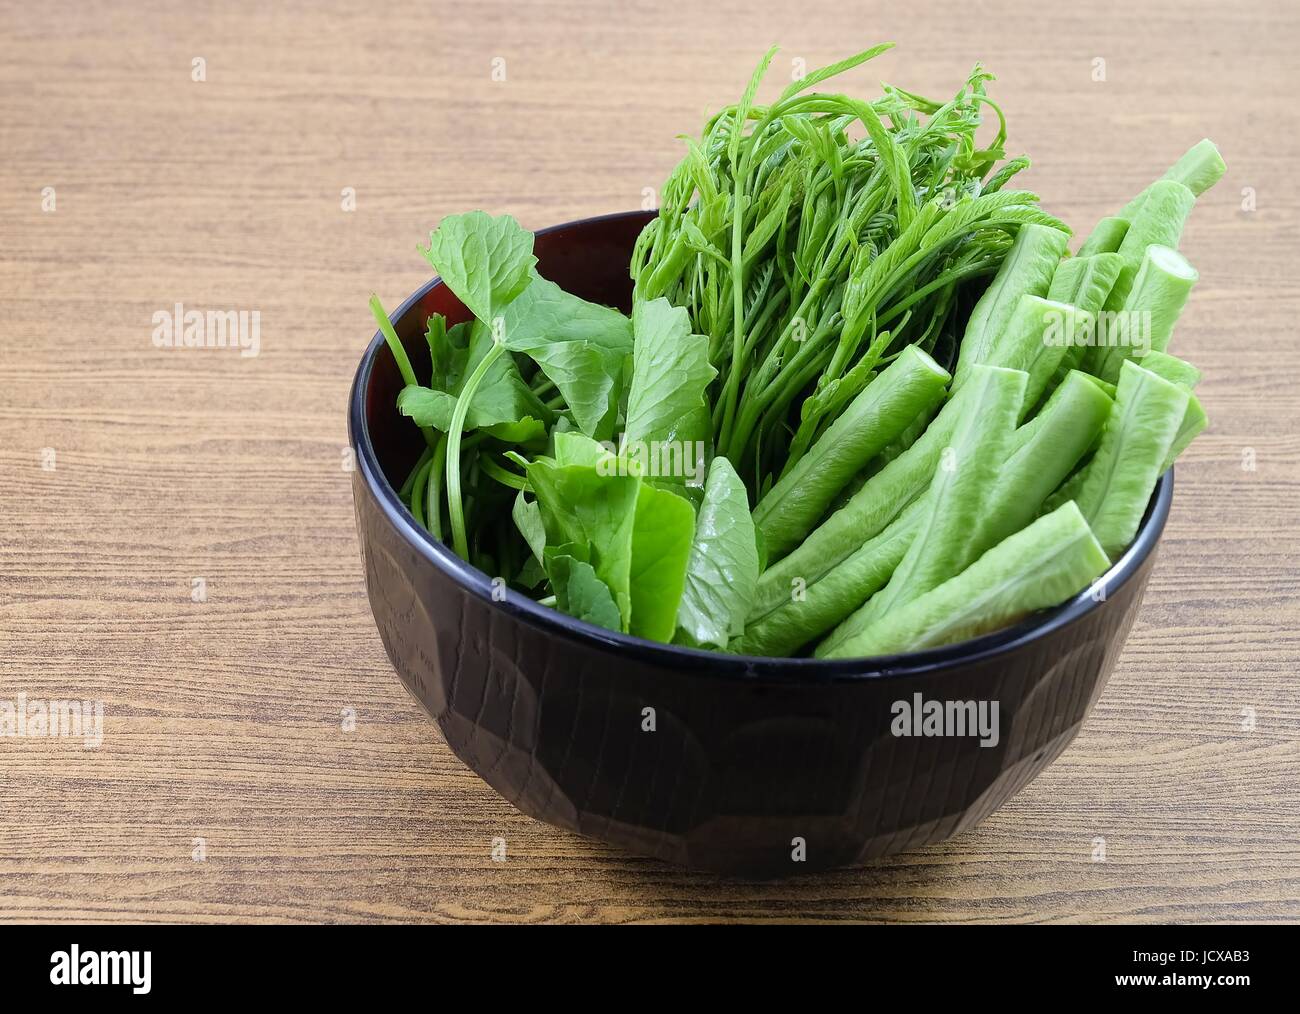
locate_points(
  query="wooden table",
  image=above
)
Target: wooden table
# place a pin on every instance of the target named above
(177, 524)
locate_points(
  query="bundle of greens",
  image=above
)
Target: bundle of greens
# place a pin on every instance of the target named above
(814, 432)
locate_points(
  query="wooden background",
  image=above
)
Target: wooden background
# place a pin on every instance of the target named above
(223, 717)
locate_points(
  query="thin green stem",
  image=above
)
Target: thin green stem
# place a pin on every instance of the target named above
(455, 506)
(394, 343)
(433, 501)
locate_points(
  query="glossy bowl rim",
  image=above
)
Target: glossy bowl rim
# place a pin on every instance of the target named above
(808, 671)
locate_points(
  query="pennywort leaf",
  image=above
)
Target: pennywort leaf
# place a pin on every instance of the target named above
(486, 261)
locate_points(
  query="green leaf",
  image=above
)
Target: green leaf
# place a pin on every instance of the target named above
(503, 403)
(722, 572)
(582, 347)
(580, 592)
(580, 505)
(578, 449)
(485, 261)
(661, 546)
(528, 519)
(670, 371)
(448, 349)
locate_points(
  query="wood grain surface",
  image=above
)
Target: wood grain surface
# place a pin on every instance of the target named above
(228, 785)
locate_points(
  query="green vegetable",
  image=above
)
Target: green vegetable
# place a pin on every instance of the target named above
(1086, 284)
(661, 548)
(1159, 291)
(960, 491)
(503, 403)
(1027, 270)
(584, 502)
(1182, 374)
(1175, 370)
(485, 261)
(1043, 452)
(1159, 221)
(1038, 567)
(1194, 420)
(581, 347)
(528, 517)
(1117, 483)
(579, 592)
(1085, 281)
(794, 244)
(723, 568)
(1036, 339)
(1199, 168)
(670, 370)
(1105, 238)
(867, 513)
(810, 609)
(911, 385)
(808, 334)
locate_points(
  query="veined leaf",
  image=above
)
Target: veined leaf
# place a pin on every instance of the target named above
(485, 261)
(580, 505)
(670, 370)
(502, 401)
(579, 591)
(722, 572)
(581, 346)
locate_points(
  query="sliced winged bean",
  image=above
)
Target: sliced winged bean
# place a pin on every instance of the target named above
(1084, 282)
(911, 385)
(1175, 370)
(1105, 238)
(1198, 169)
(809, 611)
(1038, 567)
(1194, 421)
(1043, 452)
(1160, 289)
(867, 513)
(1036, 340)
(1058, 437)
(1026, 270)
(1116, 485)
(960, 490)
(1160, 221)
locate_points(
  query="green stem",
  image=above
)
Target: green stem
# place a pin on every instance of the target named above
(433, 501)
(455, 508)
(394, 343)
(418, 491)
(405, 492)
(502, 475)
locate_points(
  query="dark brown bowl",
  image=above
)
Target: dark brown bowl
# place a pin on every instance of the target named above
(755, 766)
